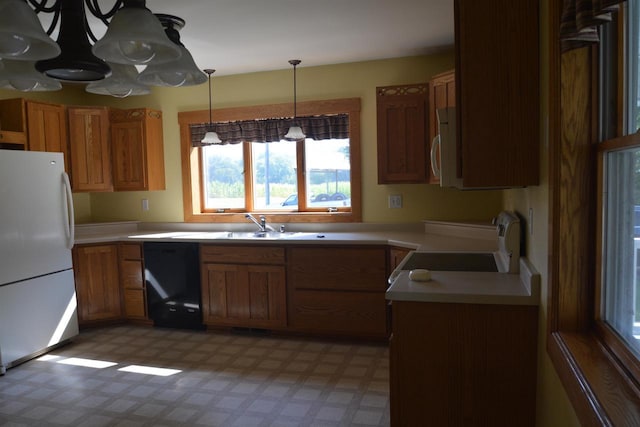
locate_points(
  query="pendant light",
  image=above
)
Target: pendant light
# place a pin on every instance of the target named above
(135, 37)
(179, 72)
(295, 131)
(121, 83)
(23, 76)
(21, 34)
(210, 137)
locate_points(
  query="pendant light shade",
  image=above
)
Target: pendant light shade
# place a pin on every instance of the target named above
(179, 72)
(295, 131)
(121, 83)
(135, 36)
(210, 137)
(22, 76)
(76, 62)
(21, 34)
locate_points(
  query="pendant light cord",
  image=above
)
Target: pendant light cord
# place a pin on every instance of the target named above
(295, 63)
(209, 71)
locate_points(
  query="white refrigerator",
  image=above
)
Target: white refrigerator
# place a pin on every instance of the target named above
(37, 292)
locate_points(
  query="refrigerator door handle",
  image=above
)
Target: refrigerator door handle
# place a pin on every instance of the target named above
(70, 226)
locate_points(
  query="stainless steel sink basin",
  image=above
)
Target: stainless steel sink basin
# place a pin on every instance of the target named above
(451, 261)
(239, 235)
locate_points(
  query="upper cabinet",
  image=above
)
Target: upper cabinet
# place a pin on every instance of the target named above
(402, 134)
(13, 123)
(34, 126)
(90, 149)
(137, 152)
(442, 94)
(497, 92)
(47, 129)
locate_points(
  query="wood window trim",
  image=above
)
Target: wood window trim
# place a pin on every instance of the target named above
(190, 159)
(592, 368)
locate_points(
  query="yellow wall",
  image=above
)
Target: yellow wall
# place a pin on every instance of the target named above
(314, 83)
(553, 406)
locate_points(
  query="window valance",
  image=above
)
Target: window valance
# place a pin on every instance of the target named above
(335, 126)
(580, 21)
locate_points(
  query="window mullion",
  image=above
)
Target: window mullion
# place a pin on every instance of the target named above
(248, 176)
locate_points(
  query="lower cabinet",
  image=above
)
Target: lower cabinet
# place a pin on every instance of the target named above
(95, 269)
(396, 256)
(132, 282)
(463, 364)
(338, 290)
(243, 286)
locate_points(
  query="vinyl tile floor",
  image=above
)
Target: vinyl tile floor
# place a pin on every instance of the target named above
(144, 376)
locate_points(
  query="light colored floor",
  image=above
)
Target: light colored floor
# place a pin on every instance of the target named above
(223, 380)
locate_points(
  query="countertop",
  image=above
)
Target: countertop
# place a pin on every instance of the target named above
(464, 287)
(470, 287)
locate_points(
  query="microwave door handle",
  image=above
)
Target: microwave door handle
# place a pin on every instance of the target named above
(435, 147)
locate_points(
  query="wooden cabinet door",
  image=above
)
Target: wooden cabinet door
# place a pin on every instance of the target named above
(396, 255)
(96, 275)
(442, 94)
(129, 161)
(463, 364)
(90, 150)
(338, 290)
(402, 134)
(498, 92)
(244, 295)
(137, 150)
(47, 129)
(132, 281)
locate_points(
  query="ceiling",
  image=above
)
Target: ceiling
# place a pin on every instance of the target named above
(242, 36)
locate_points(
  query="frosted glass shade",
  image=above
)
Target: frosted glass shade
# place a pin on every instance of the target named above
(23, 76)
(21, 34)
(295, 133)
(211, 138)
(180, 72)
(136, 37)
(121, 83)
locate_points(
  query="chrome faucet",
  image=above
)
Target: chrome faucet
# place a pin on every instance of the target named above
(262, 224)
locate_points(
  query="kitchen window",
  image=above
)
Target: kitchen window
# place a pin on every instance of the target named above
(618, 280)
(273, 182)
(593, 181)
(317, 179)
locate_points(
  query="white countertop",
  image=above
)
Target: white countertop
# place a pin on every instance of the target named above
(470, 287)
(462, 287)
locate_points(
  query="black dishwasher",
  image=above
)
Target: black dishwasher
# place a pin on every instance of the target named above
(172, 275)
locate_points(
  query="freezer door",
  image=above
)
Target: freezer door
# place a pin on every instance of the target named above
(35, 315)
(36, 215)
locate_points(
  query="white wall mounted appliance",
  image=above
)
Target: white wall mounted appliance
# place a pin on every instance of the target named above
(37, 291)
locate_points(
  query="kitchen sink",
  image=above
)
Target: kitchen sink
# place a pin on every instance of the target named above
(223, 235)
(451, 261)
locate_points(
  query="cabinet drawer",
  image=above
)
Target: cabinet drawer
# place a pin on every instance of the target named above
(134, 303)
(335, 268)
(241, 254)
(131, 274)
(130, 251)
(341, 313)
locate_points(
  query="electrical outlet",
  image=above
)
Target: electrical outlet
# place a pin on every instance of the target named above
(145, 204)
(395, 201)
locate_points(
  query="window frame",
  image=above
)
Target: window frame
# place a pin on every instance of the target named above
(600, 378)
(191, 161)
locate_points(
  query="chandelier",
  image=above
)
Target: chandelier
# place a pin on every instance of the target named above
(135, 39)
